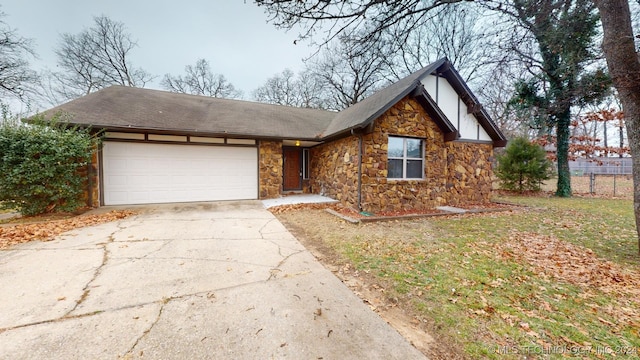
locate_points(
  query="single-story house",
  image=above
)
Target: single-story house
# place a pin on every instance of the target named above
(421, 142)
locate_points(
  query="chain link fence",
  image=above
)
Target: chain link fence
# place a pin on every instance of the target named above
(616, 185)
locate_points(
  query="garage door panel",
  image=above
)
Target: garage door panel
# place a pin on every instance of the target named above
(142, 173)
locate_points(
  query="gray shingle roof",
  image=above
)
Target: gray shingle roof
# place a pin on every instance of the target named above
(120, 107)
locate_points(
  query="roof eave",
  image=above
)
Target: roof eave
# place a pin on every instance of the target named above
(193, 132)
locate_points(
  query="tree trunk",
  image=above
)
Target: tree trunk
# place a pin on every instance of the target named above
(562, 154)
(624, 67)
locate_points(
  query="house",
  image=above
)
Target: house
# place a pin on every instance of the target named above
(422, 142)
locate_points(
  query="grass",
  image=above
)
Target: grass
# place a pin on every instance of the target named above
(490, 300)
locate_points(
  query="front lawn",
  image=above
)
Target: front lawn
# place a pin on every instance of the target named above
(558, 278)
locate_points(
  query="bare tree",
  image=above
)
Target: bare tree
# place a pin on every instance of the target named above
(280, 89)
(459, 32)
(348, 17)
(97, 57)
(199, 80)
(349, 72)
(16, 77)
(285, 88)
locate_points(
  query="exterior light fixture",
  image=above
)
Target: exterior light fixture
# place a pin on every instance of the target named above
(297, 142)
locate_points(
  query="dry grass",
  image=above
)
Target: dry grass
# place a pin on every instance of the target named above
(559, 277)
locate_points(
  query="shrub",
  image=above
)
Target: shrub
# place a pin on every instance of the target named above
(40, 163)
(523, 166)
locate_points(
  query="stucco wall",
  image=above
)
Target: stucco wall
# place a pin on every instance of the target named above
(270, 169)
(455, 173)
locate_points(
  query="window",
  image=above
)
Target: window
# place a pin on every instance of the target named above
(406, 158)
(305, 164)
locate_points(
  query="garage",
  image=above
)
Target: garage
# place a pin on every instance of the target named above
(148, 173)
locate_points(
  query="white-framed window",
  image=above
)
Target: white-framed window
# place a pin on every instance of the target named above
(405, 158)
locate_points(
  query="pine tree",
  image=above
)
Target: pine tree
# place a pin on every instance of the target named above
(523, 166)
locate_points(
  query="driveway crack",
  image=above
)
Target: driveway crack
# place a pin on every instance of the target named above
(265, 225)
(105, 258)
(276, 270)
(151, 326)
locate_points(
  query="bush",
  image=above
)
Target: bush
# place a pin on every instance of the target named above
(523, 166)
(40, 164)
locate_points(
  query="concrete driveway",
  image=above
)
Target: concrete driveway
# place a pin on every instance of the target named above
(189, 281)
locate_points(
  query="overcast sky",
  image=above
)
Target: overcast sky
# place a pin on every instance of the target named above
(232, 35)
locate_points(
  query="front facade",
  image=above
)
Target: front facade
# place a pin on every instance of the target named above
(420, 143)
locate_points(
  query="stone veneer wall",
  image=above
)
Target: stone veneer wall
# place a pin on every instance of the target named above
(91, 184)
(270, 169)
(455, 173)
(470, 173)
(334, 170)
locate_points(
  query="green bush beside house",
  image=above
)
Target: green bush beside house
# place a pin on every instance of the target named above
(40, 164)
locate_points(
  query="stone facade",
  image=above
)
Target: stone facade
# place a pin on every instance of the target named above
(455, 173)
(270, 169)
(334, 170)
(470, 173)
(91, 185)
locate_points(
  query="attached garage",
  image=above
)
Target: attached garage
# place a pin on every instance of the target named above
(147, 173)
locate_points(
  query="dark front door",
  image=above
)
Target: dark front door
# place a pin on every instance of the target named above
(292, 169)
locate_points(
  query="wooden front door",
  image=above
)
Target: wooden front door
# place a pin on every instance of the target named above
(292, 169)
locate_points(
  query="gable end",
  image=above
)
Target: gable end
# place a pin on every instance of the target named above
(430, 106)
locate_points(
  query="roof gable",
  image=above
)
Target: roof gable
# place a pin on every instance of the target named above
(363, 113)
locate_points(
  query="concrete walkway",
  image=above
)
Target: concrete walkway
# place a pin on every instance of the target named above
(189, 281)
(297, 199)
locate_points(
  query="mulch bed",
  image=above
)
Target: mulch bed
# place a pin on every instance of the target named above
(353, 216)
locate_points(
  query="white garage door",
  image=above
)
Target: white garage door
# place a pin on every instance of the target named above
(143, 173)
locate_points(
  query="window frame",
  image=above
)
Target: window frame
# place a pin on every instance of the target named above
(305, 164)
(405, 159)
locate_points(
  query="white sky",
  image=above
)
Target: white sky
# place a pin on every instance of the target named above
(231, 34)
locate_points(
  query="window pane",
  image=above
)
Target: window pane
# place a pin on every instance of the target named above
(395, 148)
(414, 169)
(305, 164)
(395, 169)
(414, 148)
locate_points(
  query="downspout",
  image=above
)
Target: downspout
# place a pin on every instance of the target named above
(359, 201)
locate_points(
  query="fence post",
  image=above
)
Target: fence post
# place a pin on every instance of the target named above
(592, 181)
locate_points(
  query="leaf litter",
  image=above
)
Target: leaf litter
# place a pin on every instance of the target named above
(11, 235)
(551, 257)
